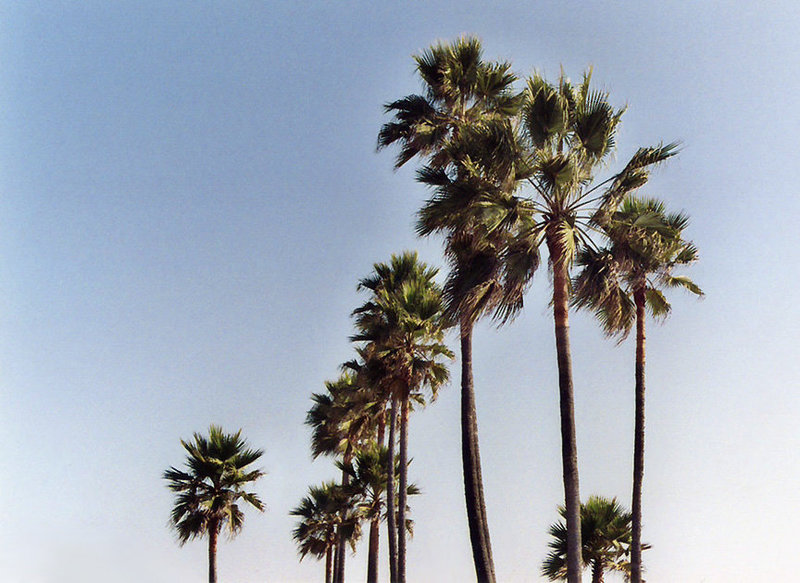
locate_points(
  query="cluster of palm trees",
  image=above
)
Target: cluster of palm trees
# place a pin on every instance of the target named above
(363, 418)
(512, 171)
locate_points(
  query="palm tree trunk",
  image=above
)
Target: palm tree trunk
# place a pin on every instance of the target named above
(402, 501)
(638, 441)
(391, 517)
(471, 459)
(381, 429)
(329, 564)
(213, 534)
(373, 552)
(339, 557)
(597, 571)
(374, 549)
(569, 446)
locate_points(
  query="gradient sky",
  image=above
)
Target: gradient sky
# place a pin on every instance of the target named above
(190, 192)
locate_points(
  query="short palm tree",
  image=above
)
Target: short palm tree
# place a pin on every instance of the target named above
(468, 104)
(211, 488)
(368, 481)
(606, 530)
(569, 133)
(403, 322)
(327, 513)
(341, 419)
(620, 283)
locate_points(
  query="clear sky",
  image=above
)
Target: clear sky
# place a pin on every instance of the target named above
(189, 192)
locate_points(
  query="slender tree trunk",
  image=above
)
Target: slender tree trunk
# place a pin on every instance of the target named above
(373, 552)
(391, 517)
(381, 430)
(329, 564)
(402, 497)
(638, 442)
(213, 535)
(597, 571)
(339, 556)
(471, 459)
(374, 549)
(569, 446)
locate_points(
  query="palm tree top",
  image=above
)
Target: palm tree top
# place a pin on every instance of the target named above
(402, 325)
(605, 538)
(343, 416)
(209, 489)
(645, 246)
(461, 90)
(570, 132)
(326, 507)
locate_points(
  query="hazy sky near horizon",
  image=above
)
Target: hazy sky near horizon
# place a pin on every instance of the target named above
(189, 193)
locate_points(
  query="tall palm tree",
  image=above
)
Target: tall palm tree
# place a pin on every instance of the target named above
(569, 132)
(467, 101)
(620, 283)
(327, 513)
(209, 491)
(606, 540)
(340, 421)
(404, 322)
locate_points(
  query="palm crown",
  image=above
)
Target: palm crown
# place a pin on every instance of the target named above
(404, 325)
(606, 539)
(209, 491)
(645, 246)
(461, 90)
(326, 507)
(569, 132)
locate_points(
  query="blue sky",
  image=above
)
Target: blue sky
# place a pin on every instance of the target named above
(190, 193)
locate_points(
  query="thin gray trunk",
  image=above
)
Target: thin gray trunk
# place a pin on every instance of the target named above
(391, 520)
(638, 442)
(471, 460)
(402, 501)
(569, 446)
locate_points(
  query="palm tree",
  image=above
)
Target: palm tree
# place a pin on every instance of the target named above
(404, 322)
(340, 420)
(368, 481)
(209, 491)
(620, 283)
(606, 540)
(467, 103)
(327, 513)
(569, 132)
